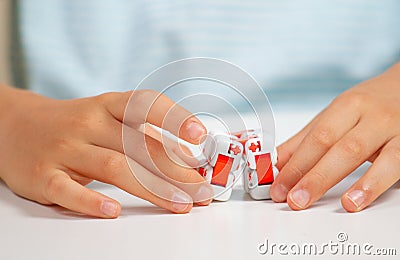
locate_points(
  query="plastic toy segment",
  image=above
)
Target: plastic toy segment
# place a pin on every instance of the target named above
(221, 171)
(265, 173)
(222, 155)
(230, 155)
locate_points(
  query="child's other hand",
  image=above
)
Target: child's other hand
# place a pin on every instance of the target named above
(361, 124)
(51, 148)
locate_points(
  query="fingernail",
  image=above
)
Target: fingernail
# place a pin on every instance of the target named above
(357, 197)
(203, 194)
(279, 193)
(109, 208)
(180, 202)
(195, 130)
(300, 198)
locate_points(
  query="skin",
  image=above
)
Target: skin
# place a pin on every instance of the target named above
(52, 148)
(362, 124)
(67, 144)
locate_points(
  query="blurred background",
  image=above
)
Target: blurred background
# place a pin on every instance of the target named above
(4, 41)
(302, 52)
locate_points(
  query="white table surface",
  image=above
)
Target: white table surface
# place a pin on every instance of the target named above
(228, 230)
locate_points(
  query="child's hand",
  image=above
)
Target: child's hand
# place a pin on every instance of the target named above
(51, 148)
(361, 124)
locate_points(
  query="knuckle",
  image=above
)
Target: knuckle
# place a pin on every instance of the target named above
(323, 136)
(106, 97)
(145, 95)
(359, 99)
(295, 171)
(53, 186)
(113, 166)
(145, 99)
(83, 195)
(342, 100)
(39, 167)
(321, 179)
(84, 121)
(354, 99)
(88, 116)
(352, 147)
(63, 145)
(106, 100)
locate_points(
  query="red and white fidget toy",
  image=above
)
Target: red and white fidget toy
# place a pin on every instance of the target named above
(227, 156)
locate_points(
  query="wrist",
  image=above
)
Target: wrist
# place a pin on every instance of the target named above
(15, 106)
(14, 100)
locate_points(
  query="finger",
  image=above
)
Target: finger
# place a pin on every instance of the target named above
(166, 164)
(201, 192)
(333, 125)
(159, 191)
(155, 157)
(383, 173)
(62, 190)
(109, 135)
(150, 106)
(286, 150)
(342, 159)
(112, 167)
(180, 150)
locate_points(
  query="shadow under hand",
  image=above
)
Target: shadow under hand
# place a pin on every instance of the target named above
(143, 210)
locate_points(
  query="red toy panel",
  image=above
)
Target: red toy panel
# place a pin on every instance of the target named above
(221, 170)
(202, 171)
(265, 173)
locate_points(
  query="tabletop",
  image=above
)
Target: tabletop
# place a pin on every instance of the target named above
(240, 228)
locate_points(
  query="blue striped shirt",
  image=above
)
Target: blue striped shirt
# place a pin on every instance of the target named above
(75, 48)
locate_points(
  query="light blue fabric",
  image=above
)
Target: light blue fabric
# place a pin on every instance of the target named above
(77, 48)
